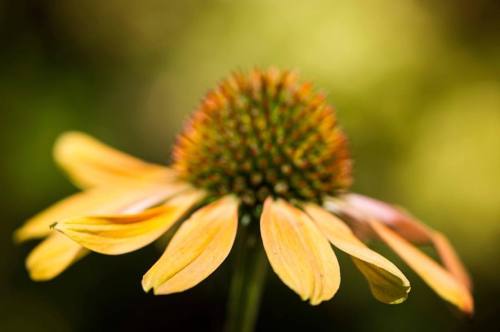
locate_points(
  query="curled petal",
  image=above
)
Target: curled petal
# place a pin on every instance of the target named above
(439, 279)
(199, 246)
(361, 209)
(91, 163)
(52, 256)
(128, 196)
(119, 234)
(387, 282)
(298, 252)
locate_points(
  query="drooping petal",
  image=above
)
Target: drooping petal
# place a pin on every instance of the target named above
(128, 196)
(91, 163)
(199, 246)
(52, 256)
(387, 282)
(439, 279)
(410, 228)
(298, 252)
(119, 234)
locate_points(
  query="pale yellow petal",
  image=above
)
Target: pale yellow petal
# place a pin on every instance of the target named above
(91, 163)
(199, 246)
(129, 196)
(52, 256)
(387, 282)
(299, 254)
(119, 234)
(440, 280)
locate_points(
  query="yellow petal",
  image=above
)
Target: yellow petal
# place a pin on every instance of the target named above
(199, 246)
(299, 254)
(440, 280)
(119, 234)
(125, 197)
(52, 256)
(387, 282)
(91, 163)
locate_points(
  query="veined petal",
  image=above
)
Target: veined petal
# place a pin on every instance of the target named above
(199, 246)
(130, 196)
(387, 282)
(52, 256)
(91, 163)
(440, 280)
(298, 252)
(119, 234)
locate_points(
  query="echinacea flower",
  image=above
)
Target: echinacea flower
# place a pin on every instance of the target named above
(262, 149)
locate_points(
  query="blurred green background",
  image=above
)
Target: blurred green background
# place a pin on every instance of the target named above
(416, 86)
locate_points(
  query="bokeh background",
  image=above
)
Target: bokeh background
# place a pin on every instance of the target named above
(416, 86)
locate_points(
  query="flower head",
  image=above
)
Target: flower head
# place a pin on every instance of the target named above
(261, 148)
(264, 135)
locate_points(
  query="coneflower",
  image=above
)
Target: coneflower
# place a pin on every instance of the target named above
(262, 156)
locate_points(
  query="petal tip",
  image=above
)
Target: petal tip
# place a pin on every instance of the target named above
(315, 302)
(146, 286)
(19, 236)
(37, 276)
(467, 306)
(64, 143)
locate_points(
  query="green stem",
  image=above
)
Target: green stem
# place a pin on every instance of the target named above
(247, 283)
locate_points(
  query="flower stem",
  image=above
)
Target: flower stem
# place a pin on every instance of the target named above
(247, 283)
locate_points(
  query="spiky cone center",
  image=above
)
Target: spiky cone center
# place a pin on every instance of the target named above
(264, 134)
